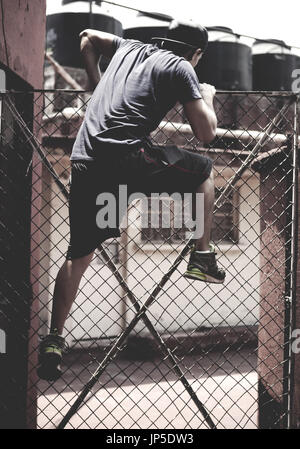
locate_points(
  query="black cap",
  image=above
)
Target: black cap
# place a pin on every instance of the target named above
(189, 33)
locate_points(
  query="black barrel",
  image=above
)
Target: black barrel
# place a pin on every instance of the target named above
(147, 26)
(64, 26)
(273, 65)
(227, 62)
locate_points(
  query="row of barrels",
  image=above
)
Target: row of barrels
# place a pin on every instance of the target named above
(230, 62)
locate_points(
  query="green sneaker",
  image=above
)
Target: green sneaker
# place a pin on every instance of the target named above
(203, 267)
(50, 356)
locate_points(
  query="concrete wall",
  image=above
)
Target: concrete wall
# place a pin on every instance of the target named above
(22, 44)
(275, 308)
(234, 304)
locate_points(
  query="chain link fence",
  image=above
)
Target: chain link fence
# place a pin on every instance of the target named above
(168, 353)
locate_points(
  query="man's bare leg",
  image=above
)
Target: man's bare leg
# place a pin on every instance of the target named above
(208, 188)
(202, 264)
(66, 286)
(52, 346)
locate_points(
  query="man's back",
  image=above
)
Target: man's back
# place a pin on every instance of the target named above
(141, 84)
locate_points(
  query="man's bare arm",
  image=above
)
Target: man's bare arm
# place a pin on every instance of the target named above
(93, 45)
(201, 114)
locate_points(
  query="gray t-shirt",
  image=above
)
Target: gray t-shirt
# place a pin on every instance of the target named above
(141, 84)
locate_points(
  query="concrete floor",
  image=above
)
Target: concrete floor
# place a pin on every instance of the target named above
(144, 395)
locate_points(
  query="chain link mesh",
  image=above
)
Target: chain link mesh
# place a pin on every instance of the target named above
(231, 343)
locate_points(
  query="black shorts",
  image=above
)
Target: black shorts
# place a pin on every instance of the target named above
(146, 170)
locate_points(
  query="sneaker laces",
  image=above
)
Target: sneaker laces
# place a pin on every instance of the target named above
(54, 341)
(209, 260)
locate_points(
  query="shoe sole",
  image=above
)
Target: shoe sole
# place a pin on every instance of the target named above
(205, 278)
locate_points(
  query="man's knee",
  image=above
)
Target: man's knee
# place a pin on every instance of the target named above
(207, 184)
(211, 176)
(81, 263)
(210, 180)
